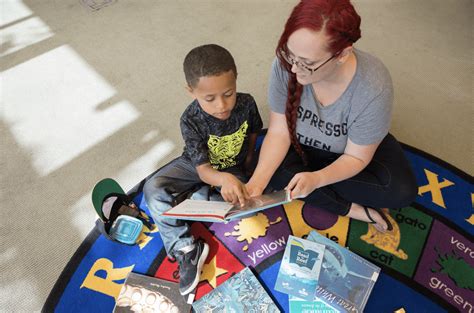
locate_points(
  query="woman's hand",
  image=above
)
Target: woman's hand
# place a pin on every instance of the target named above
(254, 189)
(302, 184)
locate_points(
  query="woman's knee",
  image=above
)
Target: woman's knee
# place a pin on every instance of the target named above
(408, 191)
(405, 190)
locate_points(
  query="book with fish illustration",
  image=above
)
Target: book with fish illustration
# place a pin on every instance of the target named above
(240, 293)
(299, 268)
(141, 293)
(346, 279)
(219, 211)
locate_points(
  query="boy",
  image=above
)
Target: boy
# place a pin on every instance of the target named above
(219, 129)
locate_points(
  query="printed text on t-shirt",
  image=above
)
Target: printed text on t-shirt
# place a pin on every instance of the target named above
(327, 128)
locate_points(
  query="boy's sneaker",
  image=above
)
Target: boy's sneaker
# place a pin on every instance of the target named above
(190, 266)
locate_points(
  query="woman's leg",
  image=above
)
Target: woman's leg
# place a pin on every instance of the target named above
(387, 182)
(325, 197)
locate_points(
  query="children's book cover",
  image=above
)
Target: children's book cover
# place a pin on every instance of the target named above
(298, 305)
(240, 293)
(148, 294)
(346, 279)
(300, 267)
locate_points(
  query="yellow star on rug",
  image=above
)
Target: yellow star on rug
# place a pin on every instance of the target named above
(210, 272)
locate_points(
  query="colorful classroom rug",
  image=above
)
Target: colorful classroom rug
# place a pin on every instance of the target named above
(427, 260)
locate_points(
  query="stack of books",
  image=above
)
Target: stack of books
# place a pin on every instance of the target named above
(319, 275)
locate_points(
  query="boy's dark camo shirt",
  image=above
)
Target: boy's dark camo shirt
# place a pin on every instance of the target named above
(222, 143)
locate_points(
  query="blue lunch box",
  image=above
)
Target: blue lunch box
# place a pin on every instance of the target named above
(126, 229)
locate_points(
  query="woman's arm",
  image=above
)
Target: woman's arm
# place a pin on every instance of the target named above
(349, 164)
(274, 148)
(353, 161)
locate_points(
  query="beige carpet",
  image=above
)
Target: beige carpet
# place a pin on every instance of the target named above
(87, 95)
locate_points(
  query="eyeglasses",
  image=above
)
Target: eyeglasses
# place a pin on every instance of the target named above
(293, 61)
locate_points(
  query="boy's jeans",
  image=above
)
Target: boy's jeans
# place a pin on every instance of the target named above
(160, 190)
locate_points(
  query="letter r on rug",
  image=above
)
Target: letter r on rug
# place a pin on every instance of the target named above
(106, 285)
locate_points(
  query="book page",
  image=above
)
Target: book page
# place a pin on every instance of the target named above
(260, 202)
(200, 208)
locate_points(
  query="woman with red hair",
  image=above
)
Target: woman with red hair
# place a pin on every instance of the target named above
(331, 104)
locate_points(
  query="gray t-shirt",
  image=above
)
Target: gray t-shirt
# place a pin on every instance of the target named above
(362, 113)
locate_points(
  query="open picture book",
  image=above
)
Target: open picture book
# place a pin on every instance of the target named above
(219, 211)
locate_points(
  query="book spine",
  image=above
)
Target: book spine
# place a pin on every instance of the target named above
(367, 295)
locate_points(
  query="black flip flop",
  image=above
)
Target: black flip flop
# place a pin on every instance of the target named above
(381, 213)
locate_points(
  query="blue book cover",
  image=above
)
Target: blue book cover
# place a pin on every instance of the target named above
(299, 269)
(298, 305)
(346, 279)
(240, 293)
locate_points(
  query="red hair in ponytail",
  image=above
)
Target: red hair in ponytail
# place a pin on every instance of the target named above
(341, 23)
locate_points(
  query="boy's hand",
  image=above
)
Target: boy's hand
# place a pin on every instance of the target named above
(233, 190)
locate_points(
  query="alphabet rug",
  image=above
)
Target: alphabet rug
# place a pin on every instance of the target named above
(427, 260)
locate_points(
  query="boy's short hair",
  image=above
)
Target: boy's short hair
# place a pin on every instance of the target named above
(207, 60)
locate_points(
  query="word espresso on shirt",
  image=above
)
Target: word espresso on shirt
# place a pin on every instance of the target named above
(327, 128)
